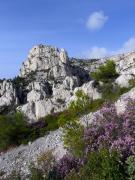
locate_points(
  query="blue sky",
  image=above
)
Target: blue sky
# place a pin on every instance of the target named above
(85, 28)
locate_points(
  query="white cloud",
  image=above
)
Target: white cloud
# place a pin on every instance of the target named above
(99, 52)
(96, 52)
(128, 46)
(96, 20)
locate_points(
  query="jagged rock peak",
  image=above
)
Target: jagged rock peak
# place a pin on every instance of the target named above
(43, 57)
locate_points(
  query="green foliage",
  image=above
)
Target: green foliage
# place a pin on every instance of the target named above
(42, 127)
(12, 130)
(20, 81)
(73, 175)
(100, 166)
(105, 72)
(111, 92)
(36, 174)
(103, 165)
(132, 82)
(96, 104)
(81, 104)
(73, 138)
(51, 121)
(131, 167)
(66, 117)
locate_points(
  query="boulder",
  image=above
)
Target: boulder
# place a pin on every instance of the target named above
(123, 80)
(123, 100)
(8, 97)
(90, 89)
(38, 91)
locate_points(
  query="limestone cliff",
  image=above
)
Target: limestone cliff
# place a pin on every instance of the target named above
(48, 80)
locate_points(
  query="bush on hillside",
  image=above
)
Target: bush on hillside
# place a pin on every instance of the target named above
(111, 92)
(73, 139)
(99, 166)
(81, 104)
(131, 167)
(105, 72)
(13, 130)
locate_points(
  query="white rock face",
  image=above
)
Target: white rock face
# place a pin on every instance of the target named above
(40, 103)
(123, 100)
(43, 108)
(7, 95)
(125, 63)
(90, 90)
(38, 91)
(63, 56)
(39, 106)
(56, 80)
(48, 59)
(70, 82)
(123, 80)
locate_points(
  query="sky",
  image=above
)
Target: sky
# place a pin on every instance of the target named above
(85, 28)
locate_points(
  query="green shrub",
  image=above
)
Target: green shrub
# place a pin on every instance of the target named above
(81, 104)
(73, 138)
(36, 174)
(66, 117)
(43, 126)
(105, 72)
(131, 167)
(103, 165)
(51, 121)
(96, 104)
(13, 130)
(73, 175)
(132, 82)
(111, 92)
(100, 166)
(20, 81)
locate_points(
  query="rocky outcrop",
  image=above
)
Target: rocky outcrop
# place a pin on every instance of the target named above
(53, 81)
(125, 63)
(90, 89)
(123, 80)
(49, 60)
(8, 98)
(123, 100)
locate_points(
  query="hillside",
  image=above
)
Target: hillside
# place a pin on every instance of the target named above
(55, 94)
